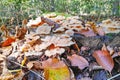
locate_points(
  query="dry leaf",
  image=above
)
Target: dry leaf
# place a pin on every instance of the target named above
(78, 61)
(104, 59)
(8, 41)
(20, 32)
(5, 30)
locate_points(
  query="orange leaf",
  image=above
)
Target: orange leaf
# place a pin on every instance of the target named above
(78, 61)
(8, 41)
(104, 59)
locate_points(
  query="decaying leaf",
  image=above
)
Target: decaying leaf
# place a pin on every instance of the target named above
(78, 61)
(104, 59)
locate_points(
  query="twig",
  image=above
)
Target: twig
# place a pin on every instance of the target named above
(29, 70)
(76, 46)
(114, 76)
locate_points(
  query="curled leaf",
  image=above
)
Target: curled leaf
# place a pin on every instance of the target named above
(78, 61)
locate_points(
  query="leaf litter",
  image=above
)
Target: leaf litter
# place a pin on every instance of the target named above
(54, 47)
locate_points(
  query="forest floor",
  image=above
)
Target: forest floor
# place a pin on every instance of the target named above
(58, 47)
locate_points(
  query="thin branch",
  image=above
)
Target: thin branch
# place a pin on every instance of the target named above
(114, 76)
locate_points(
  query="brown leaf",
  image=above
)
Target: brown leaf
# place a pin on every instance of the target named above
(5, 30)
(78, 61)
(104, 59)
(24, 22)
(20, 32)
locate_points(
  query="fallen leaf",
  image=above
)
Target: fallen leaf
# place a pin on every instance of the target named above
(78, 61)
(8, 41)
(57, 74)
(54, 69)
(57, 71)
(5, 30)
(20, 32)
(104, 59)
